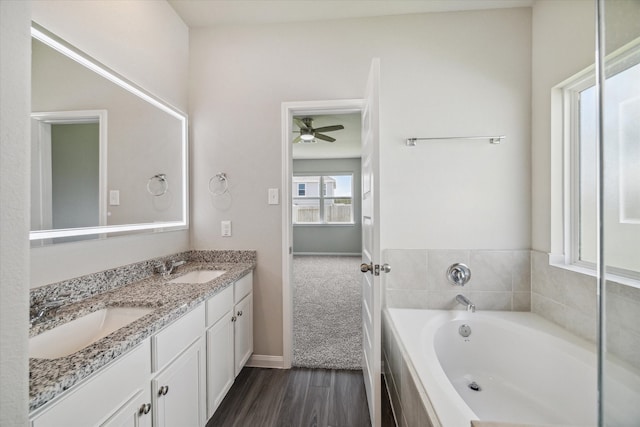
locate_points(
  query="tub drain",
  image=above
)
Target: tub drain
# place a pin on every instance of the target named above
(474, 386)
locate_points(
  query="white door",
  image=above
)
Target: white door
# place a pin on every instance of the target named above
(371, 306)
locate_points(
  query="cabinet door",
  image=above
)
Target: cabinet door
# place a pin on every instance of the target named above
(135, 413)
(178, 391)
(243, 331)
(220, 367)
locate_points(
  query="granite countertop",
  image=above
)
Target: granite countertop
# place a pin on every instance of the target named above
(50, 377)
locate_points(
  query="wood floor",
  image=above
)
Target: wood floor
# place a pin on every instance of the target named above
(297, 398)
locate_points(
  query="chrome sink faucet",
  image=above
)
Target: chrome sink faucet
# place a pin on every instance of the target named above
(45, 309)
(167, 269)
(465, 301)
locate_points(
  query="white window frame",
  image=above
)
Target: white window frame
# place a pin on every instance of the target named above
(565, 168)
(322, 197)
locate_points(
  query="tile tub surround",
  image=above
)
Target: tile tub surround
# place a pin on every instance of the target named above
(569, 299)
(49, 378)
(500, 279)
(409, 400)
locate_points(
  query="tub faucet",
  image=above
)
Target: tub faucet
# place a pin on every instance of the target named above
(167, 269)
(465, 301)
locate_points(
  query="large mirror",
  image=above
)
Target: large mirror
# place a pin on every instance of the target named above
(107, 157)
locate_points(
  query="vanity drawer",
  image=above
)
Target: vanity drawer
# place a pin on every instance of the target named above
(243, 287)
(115, 383)
(219, 304)
(173, 339)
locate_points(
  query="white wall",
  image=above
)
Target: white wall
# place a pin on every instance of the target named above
(563, 44)
(460, 74)
(442, 74)
(146, 42)
(15, 42)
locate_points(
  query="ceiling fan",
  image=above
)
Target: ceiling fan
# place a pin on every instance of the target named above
(309, 134)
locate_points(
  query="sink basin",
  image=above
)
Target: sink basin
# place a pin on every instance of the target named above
(198, 276)
(73, 336)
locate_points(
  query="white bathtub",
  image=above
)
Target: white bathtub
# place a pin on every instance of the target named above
(529, 370)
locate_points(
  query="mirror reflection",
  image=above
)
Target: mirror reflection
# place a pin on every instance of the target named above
(103, 155)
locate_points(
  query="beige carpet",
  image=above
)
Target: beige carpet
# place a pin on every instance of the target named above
(327, 313)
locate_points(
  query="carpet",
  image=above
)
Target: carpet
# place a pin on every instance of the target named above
(327, 318)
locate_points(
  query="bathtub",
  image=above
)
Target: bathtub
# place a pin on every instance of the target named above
(512, 367)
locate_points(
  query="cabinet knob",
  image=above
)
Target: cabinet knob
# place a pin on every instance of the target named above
(234, 318)
(144, 409)
(163, 390)
(240, 313)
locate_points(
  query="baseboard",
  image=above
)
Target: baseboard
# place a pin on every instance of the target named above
(264, 361)
(328, 253)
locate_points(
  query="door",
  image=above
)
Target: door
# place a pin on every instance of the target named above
(371, 306)
(220, 366)
(243, 332)
(178, 391)
(134, 413)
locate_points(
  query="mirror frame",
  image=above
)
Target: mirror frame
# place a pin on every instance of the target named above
(43, 35)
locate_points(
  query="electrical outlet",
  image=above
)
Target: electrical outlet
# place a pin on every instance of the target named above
(225, 228)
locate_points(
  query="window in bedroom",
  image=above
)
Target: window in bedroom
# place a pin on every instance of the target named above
(333, 205)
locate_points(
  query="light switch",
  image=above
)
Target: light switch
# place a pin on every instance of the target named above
(114, 197)
(273, 196)
(225, 228)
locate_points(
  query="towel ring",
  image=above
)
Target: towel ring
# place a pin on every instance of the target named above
(221, 177)
(160, 184)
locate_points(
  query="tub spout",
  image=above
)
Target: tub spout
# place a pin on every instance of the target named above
(465, 301)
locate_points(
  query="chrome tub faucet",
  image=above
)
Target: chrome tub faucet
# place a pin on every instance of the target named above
(465, 301)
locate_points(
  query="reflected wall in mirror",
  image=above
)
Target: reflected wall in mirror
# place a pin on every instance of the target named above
(98, 145)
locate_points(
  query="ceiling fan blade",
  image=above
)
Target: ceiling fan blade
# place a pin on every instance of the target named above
(297, 139)
(299, 122)
(325, 137)
(329, 128)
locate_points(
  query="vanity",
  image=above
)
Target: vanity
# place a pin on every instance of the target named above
(187, 338)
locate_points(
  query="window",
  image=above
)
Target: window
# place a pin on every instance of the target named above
(332, 205)
(621, 155)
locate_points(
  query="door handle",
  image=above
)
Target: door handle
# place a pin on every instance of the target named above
(366, 267)
(375, 269)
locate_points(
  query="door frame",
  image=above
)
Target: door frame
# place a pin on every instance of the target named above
(41, 124)
(290, 109)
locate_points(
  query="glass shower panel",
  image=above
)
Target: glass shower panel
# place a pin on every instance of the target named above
(620, 214)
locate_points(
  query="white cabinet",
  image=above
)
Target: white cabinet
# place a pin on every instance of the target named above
(243, 321)
(177, 389)
(243, 332)
(178, 377)
(229, 338)
(135, 413)
(104, 396)
(220, 366)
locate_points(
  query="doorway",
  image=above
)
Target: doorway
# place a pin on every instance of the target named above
(316, 266)
(68, 171)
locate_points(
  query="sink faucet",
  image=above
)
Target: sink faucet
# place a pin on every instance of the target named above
(166, 271)
(465, 301)
(45, 309)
